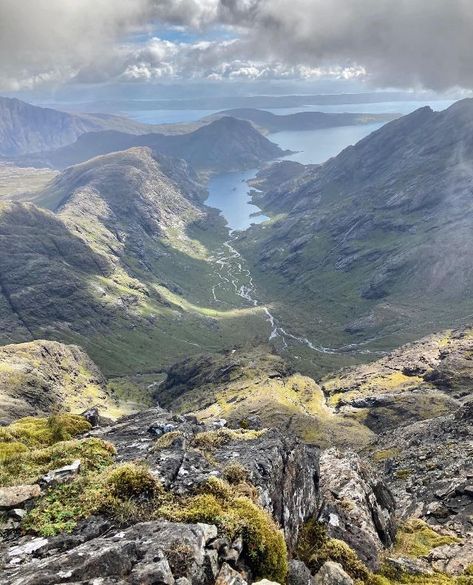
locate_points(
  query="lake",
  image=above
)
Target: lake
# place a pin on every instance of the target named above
(229, 192)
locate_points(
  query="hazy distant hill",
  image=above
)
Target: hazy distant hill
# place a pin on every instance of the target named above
(302, 120)
(225, 144)
(375, 245)
(25, 128)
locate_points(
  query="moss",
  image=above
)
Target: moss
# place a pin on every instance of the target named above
(385, 454)
(126, 492)
(390, 576)
(416, 539)
(36, 432)
(215, 439)
(315, 548)
(235, 473)
(219, 504)
(166, 440)
(27, 466)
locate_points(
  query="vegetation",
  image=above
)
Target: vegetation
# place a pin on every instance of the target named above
(209, 440)
(416, 538)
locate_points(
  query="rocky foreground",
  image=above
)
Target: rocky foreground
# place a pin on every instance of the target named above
(162, 498)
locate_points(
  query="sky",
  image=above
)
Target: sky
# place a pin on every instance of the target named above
(405, 44)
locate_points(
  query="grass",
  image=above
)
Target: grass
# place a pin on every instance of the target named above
(209, 440)
(416, 538)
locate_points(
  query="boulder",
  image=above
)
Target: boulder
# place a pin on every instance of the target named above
(150, 552)
(298, 573)
(453, 559)
(17, 496)
(332, 574)
(356, 505)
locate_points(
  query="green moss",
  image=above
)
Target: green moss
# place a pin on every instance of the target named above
(416, 539)
(40, 432)
(27, 466)
(166, 440)
(219, 504)
(315, 548)
(126, 492)
(215, 439)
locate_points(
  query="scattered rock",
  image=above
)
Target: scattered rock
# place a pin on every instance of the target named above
(17, 496)
(298, 573)
(411, 566)
(332, 574)
(92, 416)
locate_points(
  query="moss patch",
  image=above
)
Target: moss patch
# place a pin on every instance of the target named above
(416, 539)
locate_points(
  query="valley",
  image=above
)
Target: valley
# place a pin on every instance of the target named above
(204, 355)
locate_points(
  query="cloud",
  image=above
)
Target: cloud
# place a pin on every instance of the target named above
(403, 43)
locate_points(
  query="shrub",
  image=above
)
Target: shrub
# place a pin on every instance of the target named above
(166, 440)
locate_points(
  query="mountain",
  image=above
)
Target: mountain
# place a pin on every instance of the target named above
(372, 248)
(25, 128)
(223, 145)
(119, 259)
(271, 123)
(42, 377)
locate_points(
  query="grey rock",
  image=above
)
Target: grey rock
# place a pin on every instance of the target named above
(61, 475)
(298, 573)
(356, 505)
(332, 574)
(19, 495)
(228, 576)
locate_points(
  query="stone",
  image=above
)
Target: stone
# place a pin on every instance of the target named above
(18, 495)
(332, 574)
(265, 582)
(228, 576)
(411, 566)
(356, 505)
(452, 559)
(158, 573)
(61, 475)
(298, 573)
(92, 416)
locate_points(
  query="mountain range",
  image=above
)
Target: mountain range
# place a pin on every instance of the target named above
(273, 425)
(270, 122)
(372, 248)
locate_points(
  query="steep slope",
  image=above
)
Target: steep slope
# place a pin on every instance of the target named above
(225, 144)
(123, 267)
(42, 377)
(257, 389)
(25, 128)
(372, 248)
(270, 122)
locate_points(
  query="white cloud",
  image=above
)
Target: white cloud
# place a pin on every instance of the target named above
(397, 42)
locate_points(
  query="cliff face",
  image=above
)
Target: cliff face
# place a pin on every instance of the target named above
(42, 377)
